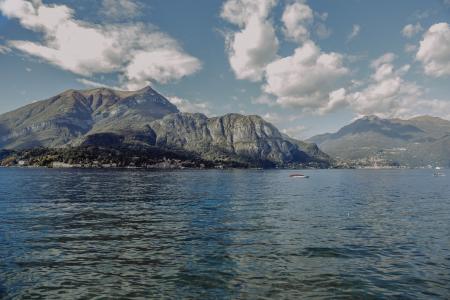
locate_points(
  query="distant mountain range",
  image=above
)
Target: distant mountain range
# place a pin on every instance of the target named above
(415, 142)
(108, 118)
(144, 123)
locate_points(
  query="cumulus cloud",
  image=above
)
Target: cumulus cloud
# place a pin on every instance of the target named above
(306, 78)
(337, 99)
(386, 58)
(296, 132)
(411, 30)
(296, 19)
(141, 55)
(120, 9)
(434, 50)
(189, 106)
(386, 94)
(356, 29)
(389, 95)
(255, 44)
(239, 12)
(316, 81)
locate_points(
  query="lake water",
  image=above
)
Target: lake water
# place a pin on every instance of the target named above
(237, 234)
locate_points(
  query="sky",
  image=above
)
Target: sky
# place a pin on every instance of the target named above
(308, 67)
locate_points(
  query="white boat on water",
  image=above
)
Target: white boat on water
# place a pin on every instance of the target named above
(438, 174)
(298, 176)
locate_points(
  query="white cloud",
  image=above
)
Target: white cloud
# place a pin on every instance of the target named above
(4, 49)
(162, 65)
(264, 99)
(86, 49)
(239, 12)
(312, 80)
(323, 31)
(272, 117)
(296, 19)
(120, 9)
(337, 99)
(411, 30)
(94, 84)
(383, 71)
(389, 95)
(434, 50)
(356, 29)
(409, 48)
(386, 98)
(295, 132)
(306, 78)
(188, 106)
(255, 45)
(251, 49)
(386, 58)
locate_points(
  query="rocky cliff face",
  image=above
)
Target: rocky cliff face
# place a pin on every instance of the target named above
(232, 136)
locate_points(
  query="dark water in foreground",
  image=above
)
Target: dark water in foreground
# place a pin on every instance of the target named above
(79, 234)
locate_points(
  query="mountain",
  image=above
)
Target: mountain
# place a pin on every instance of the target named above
(108, 118)
(72, 114)
(232, 136)
(415, 142)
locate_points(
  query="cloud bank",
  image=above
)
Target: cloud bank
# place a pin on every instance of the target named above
(318, 81)
(304, 79)
(140, 54)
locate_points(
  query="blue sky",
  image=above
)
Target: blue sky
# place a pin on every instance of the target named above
(307, 66)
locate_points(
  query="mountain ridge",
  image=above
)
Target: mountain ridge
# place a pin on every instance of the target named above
(415, 142)
(105, 117)
(55, 121)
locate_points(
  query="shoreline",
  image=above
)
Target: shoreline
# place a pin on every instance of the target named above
(212, 168)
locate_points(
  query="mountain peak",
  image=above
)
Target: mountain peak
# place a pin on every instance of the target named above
(371, 118)
(107, 91)
(71, 114)
(146, 89)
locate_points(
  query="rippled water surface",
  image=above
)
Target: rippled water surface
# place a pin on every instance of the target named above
(81, 234)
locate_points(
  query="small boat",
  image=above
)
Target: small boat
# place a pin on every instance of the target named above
(298, 176)
(438, 174)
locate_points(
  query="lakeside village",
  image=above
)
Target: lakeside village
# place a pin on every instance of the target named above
(126, 158)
